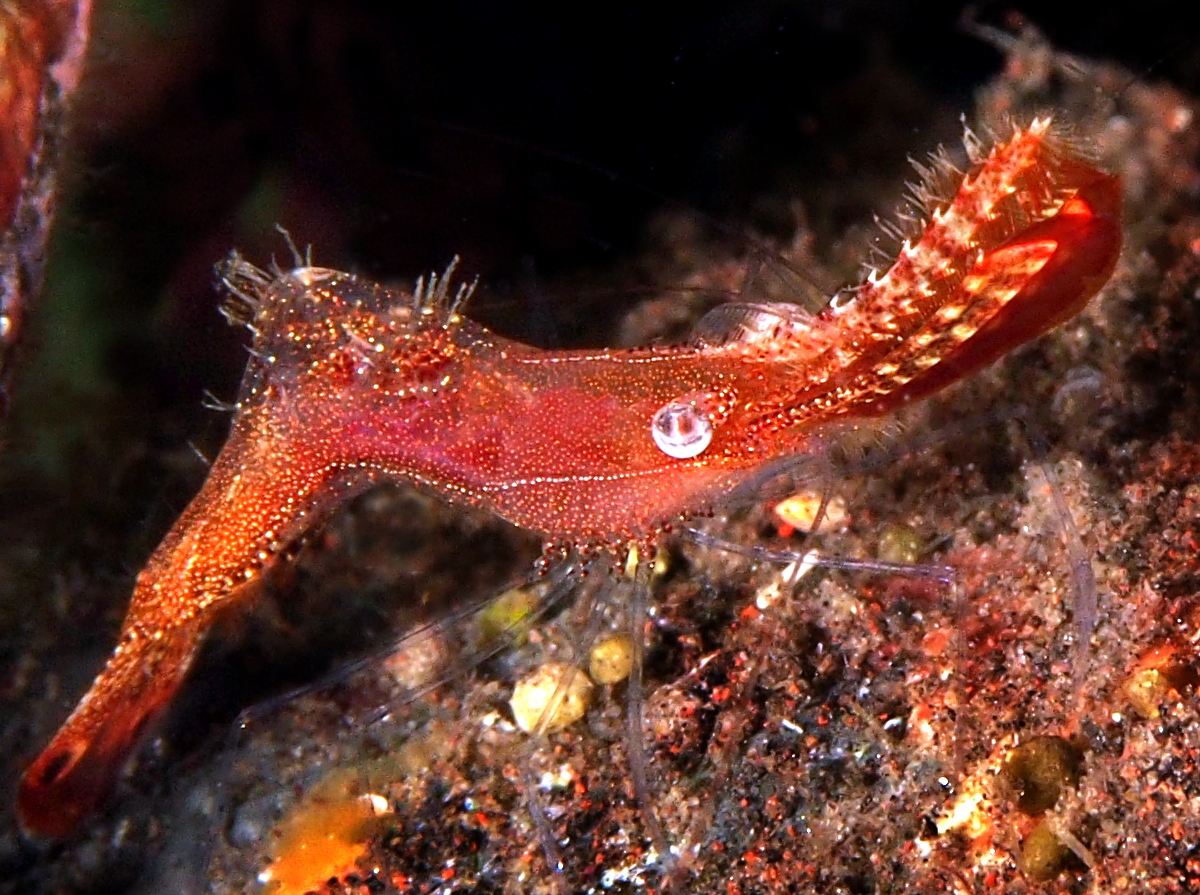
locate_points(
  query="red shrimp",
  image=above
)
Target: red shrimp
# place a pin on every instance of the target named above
(352, 383)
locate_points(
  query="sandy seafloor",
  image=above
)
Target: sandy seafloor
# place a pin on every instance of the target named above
(856, 732)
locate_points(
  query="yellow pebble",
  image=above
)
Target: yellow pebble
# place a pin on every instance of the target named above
(552, 697)
(1043, 855)
(899, 543)
(800, 511)
(611, 659)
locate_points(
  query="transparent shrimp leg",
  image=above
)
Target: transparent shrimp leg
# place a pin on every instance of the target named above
(1085, 600)
(639, 598)
(536, 805)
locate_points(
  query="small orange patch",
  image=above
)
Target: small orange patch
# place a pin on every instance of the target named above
(323, 837)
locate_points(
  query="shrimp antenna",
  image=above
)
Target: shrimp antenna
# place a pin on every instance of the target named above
(635, 734)
(759, 553)
(298, 260)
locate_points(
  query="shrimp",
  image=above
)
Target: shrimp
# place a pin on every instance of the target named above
(352, 383)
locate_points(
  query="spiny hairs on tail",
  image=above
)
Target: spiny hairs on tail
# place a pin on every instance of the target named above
(938, 180)
(433, 296)
(245, 285)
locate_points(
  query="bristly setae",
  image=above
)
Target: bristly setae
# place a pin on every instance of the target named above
(351, 383)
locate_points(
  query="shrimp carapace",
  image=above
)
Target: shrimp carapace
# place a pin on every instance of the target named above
(352, 383)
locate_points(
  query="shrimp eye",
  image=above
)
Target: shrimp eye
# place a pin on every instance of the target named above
(681, 430)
